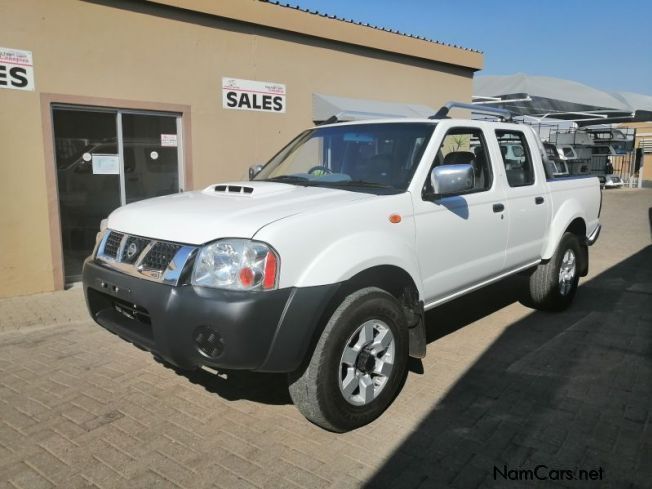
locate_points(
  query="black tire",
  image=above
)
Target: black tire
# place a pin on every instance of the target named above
(316, 390)
(546, 293)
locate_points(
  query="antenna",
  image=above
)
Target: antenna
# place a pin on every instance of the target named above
(442, 113)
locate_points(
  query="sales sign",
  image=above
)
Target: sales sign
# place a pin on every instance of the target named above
(16, 69)
(253, 95)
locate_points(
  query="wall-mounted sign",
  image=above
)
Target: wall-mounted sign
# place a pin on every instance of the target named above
(169, 140)
(16, 69)
(253, 95)
(106, 164)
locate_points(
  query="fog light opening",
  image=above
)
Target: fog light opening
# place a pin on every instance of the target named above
(208, 342)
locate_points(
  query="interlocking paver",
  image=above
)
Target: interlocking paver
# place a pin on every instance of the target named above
(500, 385)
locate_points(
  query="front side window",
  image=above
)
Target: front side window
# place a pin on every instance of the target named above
(379, 158)
(466, 145)
(568, 152)
(619, 148)
(516, 158)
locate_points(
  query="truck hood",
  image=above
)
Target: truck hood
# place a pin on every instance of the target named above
(237, 209)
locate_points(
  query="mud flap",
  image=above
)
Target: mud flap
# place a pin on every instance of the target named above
(418, 338)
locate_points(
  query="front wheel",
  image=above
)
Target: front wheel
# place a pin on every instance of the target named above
(554, 283)
(359, 363)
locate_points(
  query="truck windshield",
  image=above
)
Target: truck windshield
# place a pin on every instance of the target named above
(379, 158)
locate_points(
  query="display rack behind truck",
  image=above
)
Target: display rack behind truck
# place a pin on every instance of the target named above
(324, 264)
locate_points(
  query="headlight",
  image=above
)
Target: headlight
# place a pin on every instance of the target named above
(103, 226)
(236, 264)
(99, 236)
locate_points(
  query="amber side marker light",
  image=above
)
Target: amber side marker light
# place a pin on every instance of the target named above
(394, 218)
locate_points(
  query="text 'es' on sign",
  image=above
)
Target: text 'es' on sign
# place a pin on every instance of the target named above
(253, 95)
(16, 69)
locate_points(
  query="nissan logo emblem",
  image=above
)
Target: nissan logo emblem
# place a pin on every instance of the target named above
(132, 249)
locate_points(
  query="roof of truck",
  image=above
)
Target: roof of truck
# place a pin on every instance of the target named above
(407, 120)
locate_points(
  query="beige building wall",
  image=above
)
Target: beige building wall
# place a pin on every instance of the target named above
(144, 55)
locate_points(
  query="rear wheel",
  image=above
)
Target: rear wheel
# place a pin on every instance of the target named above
(359, 363)
(553, 284)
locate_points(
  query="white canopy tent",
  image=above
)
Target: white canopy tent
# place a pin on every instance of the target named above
(347, 109)
(543, 97)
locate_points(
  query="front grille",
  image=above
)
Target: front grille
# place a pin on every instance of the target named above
(145, 257)
(112, 244)
(160, 256)
(134, 245)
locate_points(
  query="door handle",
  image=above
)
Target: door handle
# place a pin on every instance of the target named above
(499, 207)
(538, 200)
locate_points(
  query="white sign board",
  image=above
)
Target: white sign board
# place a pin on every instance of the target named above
(169, 140)
(106, 164)
(253, 95)
(16, 69)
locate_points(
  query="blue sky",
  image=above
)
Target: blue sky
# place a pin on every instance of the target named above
(606, 44)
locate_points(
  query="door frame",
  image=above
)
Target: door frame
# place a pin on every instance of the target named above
(48, 101)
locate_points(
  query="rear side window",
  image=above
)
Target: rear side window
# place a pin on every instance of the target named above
(516, 158)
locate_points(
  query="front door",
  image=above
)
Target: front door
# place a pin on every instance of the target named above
(105, 159)
(461, 239)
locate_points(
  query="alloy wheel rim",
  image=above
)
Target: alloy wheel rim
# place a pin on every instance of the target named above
(567, 271)
(367, 362)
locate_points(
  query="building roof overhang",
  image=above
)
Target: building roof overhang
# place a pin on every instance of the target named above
(331, 28)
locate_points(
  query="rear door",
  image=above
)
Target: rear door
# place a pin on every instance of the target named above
(527, 198)
(461, 239)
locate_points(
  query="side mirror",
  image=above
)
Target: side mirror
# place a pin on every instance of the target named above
(452, 179)
(254, 170)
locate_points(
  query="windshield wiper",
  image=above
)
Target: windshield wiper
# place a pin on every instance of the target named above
(286, 178)
(360, 183)
(307, 182)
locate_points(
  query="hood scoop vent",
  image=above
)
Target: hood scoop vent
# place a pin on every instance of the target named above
(248, 189)
(234, 189)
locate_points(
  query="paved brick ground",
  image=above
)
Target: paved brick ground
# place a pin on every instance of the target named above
(501, 386)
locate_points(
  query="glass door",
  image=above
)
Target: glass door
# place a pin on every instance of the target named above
(105, 159)
(88, 178)
(151, 159)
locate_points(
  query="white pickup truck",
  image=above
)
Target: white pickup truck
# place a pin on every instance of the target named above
(323, 264)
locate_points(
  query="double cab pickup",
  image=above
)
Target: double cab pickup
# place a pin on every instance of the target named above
(322, 265)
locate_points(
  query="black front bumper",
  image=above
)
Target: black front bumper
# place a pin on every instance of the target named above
(270, 331)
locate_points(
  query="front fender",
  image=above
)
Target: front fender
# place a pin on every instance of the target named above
(567, 213)
(352, 254)
(332, 244)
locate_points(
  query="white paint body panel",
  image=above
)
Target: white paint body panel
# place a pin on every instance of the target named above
(449, 247)
(331, 245)
(527, 220)
(203, 216)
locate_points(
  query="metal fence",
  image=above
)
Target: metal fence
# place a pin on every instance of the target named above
(624, 167)
(619, 139)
